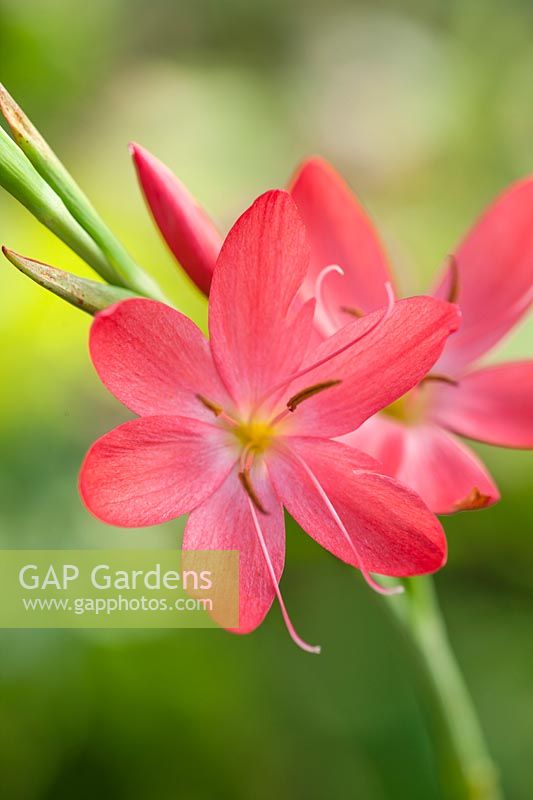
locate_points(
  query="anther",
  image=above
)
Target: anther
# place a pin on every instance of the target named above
(476, 499)
(244, 477)
(299, 397)
(380, 321)
(453, 268)
(353, 311)
(438, 378)
(216, 409)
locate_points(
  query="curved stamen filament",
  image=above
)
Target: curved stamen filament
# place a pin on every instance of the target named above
(290, 627)
(332, 510)
(319, 295)
(386, 314)
(246, 459)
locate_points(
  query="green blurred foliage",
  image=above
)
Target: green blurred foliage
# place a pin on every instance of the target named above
(425, 106)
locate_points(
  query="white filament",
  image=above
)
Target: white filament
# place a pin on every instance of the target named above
(332, 510)
(290, 627)
(326, 320)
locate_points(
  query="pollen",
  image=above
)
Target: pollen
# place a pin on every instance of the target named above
(256, 435)
(476, 499)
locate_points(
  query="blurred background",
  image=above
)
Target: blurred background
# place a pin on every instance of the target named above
(426, 108)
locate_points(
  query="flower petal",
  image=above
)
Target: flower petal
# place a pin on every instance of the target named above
(340, 232)
(153, 469)
(446, 474)
(493, 405)
(155, 360)
(190, 234)
(251, 313)
(224, 522)
(381, 437)
(378, 370)
(391, 528)
(495, 268)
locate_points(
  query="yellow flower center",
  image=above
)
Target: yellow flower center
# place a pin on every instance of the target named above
(397, 410)
(255, 436)
(412, 407)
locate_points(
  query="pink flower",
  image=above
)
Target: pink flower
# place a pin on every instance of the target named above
(235, 428)
(491, 277)
(493, 272)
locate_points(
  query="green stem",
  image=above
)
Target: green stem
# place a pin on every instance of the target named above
(23, 182)
(31, 172)
(467, 771)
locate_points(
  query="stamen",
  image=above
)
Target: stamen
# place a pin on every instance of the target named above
(372, 582)
(217, 410)
(436, 376)
(298, 398)
(353, 311)
(244, 477)
(326, 316)
(386, 314)
(453, 291)
(247, 458)
(290, 627)
(476, 499)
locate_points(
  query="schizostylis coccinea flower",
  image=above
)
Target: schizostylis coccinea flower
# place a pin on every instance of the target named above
(490, 276)
(235, 428)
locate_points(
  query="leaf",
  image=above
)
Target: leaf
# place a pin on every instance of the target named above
(89, 296)
(120, 267)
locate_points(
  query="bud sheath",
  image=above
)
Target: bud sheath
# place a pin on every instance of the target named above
(89, 296)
